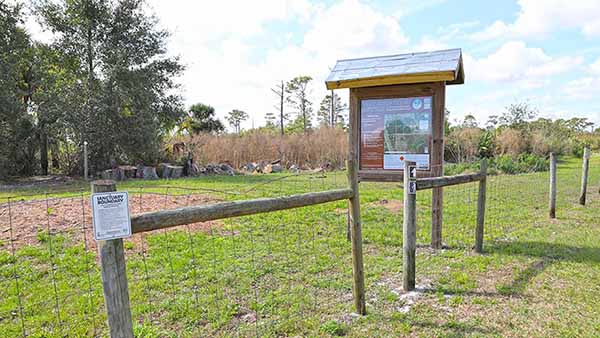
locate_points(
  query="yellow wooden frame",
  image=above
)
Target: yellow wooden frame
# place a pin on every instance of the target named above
(392, 80)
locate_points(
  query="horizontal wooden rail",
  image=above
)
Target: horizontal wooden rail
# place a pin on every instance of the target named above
(444, 181)
(168, 218)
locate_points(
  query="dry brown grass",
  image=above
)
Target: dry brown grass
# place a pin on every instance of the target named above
(511, 142)
(324, 146)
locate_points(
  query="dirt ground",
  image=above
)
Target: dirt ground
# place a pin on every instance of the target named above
(26, 222)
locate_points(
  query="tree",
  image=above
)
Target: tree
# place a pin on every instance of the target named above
(200, 119)
(280, 91)
(330, 113)
(517, 115)
(469, 121)
(125, 77)
(297, 90)
(17, 127)
(235, 119)
(271, 120)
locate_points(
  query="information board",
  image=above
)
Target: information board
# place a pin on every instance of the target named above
(110, 215)
(394, 130)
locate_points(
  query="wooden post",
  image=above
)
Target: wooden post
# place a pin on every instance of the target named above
(552, 202)
(358, 273)
(114, 277)
(437, 166)
(409, 233)
(481, 207)
(85, 161)
(584, 174)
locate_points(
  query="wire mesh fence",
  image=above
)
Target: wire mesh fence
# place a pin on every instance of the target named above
(278, 274)
(249, 276)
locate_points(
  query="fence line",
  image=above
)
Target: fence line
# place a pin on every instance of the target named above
(248, 276)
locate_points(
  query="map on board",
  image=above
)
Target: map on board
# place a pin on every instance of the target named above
(395, 130)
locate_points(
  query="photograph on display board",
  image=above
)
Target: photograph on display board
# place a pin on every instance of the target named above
(395, 130)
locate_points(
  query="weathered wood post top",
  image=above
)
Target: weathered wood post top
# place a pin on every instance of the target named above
(397, 107)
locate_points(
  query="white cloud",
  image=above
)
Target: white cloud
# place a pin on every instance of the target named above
(353, 29)
(595, 67)
(584, 88)
(538, 18)
(429, 44)
(227, 73)
(408, 7)
(516, 63)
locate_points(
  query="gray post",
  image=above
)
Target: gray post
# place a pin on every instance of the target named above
(409, 233)
(85, 161)
(114, 277)
(584, 174)
(358, 270)
(481, 207)
(552, 186)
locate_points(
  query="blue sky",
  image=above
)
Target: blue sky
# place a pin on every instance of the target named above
(544, 52)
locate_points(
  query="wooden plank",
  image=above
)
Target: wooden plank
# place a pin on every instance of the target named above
(168, 218)
(437, 165)
(387, 175)
(394, 91)
(358, 274)
(393, 80)
(584, 175)
(409, 235)
(481, 207)
(552, 201)
(444, 181)
(114, 277)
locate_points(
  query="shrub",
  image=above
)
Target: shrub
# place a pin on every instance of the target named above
(511, 142)
(532, 162)
(506, 164)
(322, 146)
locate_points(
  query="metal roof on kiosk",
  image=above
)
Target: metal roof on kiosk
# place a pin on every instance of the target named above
(443, 65)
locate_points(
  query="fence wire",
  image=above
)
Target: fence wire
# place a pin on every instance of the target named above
(286, 273)
(260, 275)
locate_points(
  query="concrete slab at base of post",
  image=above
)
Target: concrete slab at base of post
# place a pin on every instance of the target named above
(114, 277)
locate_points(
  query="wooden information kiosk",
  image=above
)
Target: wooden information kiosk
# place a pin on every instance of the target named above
(397, 106)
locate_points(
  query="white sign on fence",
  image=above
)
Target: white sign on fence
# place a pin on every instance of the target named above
(110, 215)
(412, 187)
(412, 172)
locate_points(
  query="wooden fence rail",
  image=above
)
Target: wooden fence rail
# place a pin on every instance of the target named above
(444, 181)
(169, 218)
(114, 274)
(409, 224)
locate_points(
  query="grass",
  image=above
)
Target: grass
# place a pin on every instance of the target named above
(289, 273)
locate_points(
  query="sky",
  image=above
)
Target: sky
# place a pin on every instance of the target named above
(546, 53)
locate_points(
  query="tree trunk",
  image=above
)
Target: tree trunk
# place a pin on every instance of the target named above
(332, 110)
(43, 149)
(281, 110)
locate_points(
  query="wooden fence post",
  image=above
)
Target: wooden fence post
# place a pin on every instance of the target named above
(481, 207)
(114, 277)
(358, 273)
(409, 233)
(552, 186)
(85, 161)
(584, 174)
